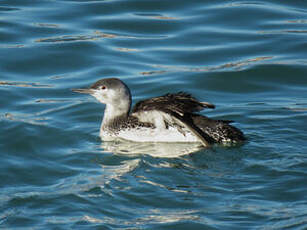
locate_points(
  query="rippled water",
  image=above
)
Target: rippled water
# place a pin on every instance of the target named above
(246, 57)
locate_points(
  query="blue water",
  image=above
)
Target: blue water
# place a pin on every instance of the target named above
(249, 58)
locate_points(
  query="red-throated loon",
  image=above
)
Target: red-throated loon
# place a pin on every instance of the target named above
(168, 118)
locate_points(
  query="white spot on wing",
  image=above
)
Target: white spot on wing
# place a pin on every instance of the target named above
(158, 118)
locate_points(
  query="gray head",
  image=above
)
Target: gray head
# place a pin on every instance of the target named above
(108, 91)
(112, 92)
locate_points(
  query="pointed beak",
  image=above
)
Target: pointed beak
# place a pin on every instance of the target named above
(208, 105)
(85, 91)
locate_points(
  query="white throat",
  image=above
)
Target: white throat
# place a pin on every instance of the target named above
(112, 112)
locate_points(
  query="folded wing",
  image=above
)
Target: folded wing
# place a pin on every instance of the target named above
(173, 109)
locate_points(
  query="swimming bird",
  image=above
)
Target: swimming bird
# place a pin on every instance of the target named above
(172, 117)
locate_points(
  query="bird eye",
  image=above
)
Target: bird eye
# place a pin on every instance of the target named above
(103, 87)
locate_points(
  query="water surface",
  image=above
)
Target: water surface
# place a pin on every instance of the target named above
(246, 57)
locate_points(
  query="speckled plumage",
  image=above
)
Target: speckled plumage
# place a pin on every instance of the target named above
(176, 111)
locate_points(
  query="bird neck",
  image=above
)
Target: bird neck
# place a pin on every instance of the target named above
(115, 114)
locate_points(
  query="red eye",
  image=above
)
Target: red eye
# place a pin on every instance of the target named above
(103, 87)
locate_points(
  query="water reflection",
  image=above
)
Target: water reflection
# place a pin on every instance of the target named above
(24, 118)
(239, 65)
(8, 8)
(123, 49)
(24, 84)
(283, 32)
(46, 25)
(96, 35)
(6, 46)
(156, 16)
(76, 38)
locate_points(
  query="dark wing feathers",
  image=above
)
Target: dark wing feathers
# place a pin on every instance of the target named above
(205, 139)
(180, 106)
(180, 103)
(219, 130)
